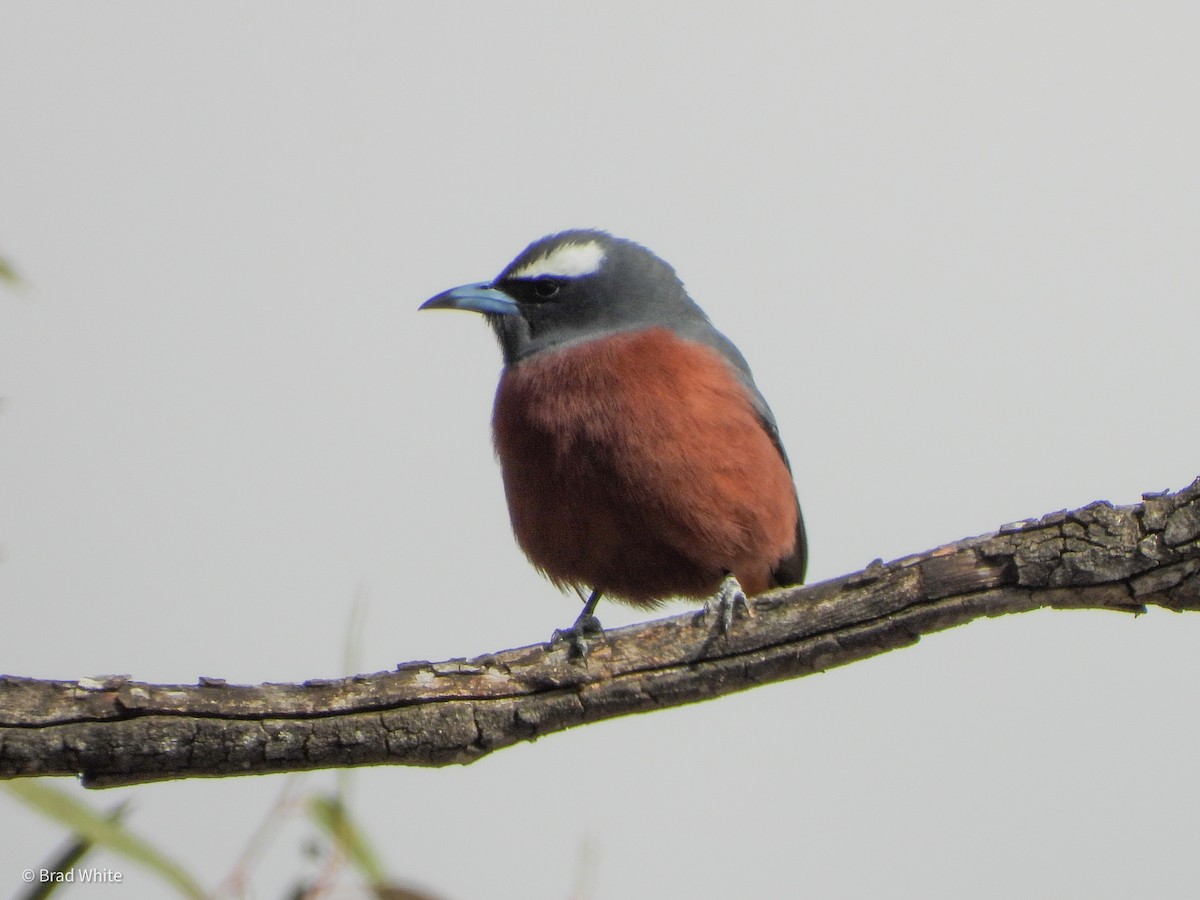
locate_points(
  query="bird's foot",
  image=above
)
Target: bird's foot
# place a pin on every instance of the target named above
(724, 602)
(579, 636)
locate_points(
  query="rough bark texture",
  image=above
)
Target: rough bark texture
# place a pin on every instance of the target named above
(115, 731)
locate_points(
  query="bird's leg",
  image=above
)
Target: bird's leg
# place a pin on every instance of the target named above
(586, 625)
(722, 604)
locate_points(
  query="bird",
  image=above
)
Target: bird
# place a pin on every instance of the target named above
(640, 461)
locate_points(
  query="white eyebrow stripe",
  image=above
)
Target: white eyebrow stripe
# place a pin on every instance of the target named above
(565, 261)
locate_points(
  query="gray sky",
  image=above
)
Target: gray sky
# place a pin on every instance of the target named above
(957, 242)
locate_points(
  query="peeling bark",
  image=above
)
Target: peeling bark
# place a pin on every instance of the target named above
(116, 731)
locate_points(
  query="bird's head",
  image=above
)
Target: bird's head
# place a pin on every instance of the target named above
(572, 287)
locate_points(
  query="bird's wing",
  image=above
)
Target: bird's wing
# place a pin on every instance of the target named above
(791, 569)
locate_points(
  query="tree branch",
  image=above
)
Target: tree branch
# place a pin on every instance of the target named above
(116, 731)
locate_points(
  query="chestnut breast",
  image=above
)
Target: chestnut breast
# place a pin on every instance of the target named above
(636, 464)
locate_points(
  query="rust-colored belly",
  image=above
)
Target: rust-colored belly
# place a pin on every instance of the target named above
(637, 465)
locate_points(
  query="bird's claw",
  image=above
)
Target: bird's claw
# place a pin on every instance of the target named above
(724, 602)
(578, 636)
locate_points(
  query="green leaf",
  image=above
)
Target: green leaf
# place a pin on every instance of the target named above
(7, 273)
(70, 857)
(99, 829)
(330, 815)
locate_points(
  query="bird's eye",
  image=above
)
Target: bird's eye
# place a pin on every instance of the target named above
(545, 288)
